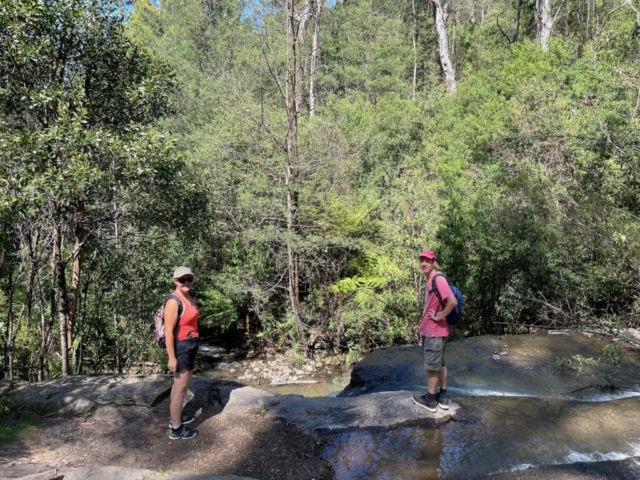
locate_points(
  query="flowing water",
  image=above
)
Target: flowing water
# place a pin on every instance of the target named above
(519, 407)
(523, 403)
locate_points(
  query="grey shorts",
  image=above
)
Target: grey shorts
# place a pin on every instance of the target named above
(434, 348)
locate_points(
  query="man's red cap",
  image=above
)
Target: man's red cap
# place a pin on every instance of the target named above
(427, 254)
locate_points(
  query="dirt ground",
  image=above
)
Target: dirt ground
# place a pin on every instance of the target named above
(250, 445)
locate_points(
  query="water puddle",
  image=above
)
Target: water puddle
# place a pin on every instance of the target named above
(325, 387)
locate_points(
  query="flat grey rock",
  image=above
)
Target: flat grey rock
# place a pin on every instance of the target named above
(78, 395)
(6, 386)
(76, 406)
(142, 393)
(334, 414)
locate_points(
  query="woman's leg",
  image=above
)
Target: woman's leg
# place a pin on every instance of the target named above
(178, 391)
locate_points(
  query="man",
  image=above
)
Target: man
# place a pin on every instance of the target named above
(434, 331)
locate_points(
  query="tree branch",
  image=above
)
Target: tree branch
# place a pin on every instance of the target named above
(501, 30)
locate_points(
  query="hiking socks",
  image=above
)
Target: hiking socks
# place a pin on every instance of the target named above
(442, 393)
(431, 398)
(176, 430)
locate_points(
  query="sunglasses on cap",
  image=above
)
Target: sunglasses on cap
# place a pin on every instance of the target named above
(185, 279)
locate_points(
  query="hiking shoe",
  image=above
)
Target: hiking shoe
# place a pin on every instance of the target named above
(186, 418)
(421, 401)
(183, 433)
(443, 402)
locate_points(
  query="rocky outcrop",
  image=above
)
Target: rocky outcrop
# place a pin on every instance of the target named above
(542, 365)
(334, 414)
(78, 395)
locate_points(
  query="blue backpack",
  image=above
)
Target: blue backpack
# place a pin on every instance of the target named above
(456, 313)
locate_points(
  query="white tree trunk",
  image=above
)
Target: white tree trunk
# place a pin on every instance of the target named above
(314, 57)
(443, 43)
(415, 47)
(298, 37)
(544, 22)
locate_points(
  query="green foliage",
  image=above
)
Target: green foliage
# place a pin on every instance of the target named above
(43, 409)
(577, 362)
(165, 139)
(216, 310)
(7, 404)
(81, 157)
(354, 355)
(12, 430)
(611, 353)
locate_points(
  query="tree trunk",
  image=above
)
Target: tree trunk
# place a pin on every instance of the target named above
(543, 22)
(62, 297)
(10, 327)
(314, 58)
(74, 290)
(516, 22)
(448, 71)
(44, 335)
(414, 40)
(298, 38)
(291, 173)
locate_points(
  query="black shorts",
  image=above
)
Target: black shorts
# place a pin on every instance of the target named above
(186, 351)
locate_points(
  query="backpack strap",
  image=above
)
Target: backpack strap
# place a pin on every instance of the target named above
(434, 288)
(180, 306)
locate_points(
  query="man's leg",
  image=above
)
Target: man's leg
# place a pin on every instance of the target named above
(443, 378)
(433, 378)
(178, 391)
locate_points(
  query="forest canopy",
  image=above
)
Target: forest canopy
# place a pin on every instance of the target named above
(298, 155)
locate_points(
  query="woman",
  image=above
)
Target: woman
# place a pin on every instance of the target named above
(181, 333)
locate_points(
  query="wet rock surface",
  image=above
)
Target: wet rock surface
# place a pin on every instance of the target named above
(531, 406)
(628, 469)
(515, 410)
(509, 365)
(332, 414)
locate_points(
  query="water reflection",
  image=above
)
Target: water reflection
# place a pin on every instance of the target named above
(521, 406)
(502, 435)
(327, 387)
(403, 452)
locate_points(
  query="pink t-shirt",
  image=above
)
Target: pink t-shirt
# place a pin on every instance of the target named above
(429, 327)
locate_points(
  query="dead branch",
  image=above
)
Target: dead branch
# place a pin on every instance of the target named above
(609, 386)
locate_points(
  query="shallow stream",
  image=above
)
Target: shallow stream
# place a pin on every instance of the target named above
(218, 362)
(528, 400)
(519, 405)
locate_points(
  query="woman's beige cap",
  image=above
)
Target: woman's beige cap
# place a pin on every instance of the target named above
(182, 272)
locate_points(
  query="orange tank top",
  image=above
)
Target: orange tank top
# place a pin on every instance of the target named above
(188, 322)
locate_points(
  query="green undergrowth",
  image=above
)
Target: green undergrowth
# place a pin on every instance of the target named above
(16, 423)
(16, 427)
